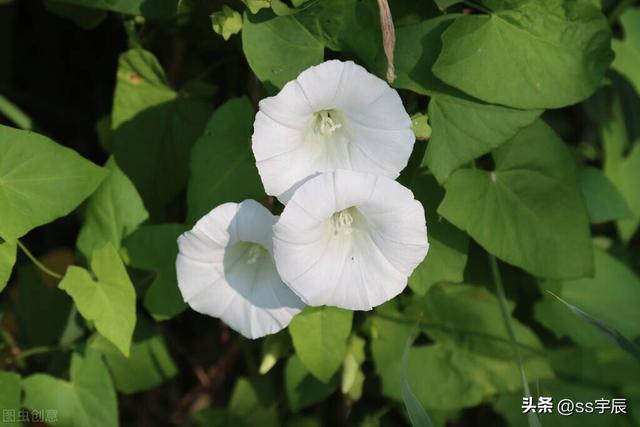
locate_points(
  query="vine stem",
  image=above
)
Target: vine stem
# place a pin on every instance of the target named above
(15, 114)
(37, 263)
(506, 317)
(40, 350)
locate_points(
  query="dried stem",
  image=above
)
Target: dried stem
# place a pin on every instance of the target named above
(388, 38)
(210, 379)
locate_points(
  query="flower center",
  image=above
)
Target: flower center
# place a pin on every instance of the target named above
(256, 252)
(342, 222)
(325, 125)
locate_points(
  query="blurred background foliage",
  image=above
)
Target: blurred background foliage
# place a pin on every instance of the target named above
(527, 163)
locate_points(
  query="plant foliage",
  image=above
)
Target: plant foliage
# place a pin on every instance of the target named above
(135, 119)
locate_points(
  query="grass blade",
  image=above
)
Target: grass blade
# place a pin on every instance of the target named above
(615, 335)
(417, 414)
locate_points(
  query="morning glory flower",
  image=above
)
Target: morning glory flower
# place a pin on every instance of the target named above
(350, 240)
(335, 115)
(226, 270)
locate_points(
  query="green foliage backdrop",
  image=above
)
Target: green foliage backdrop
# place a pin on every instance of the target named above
(124, 122)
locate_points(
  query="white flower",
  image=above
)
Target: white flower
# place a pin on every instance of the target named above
(335, 115)
(350, 240)
(226, 270)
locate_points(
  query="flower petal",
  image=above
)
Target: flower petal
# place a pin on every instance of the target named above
(361, 262)
(368, 131)
(226, 270)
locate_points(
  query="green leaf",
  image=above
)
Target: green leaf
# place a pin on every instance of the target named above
(626, 177)
(155, 248)
(621, 161)
(278, 48)
(109, 300)
(390, 332)
(528, 53)
(113, 212)
(87, 399)
(465, 129)
(226, 22)
(148, 365)
(417, 414)
(623, 342)
(156, 9)
(211, 417)
(39, 181)
(223, 168)
(468, 317)
(562, 322)
(604, 202)
(344, 26)
(302, 388)
(252, 404)
(470, 332)
(447, 256)
(520, 206)
(84, 17)
(610, 296)
(256, 5)
(154, 129)
(445, 378)
(608, 366)
(628, 50)
(10, 390)
(417, 48)
(611, 116)
(319, 337)
(7, 259)
(443, 4)
(472, 358)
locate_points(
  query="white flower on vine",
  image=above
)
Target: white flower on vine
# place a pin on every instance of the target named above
(226, 270)
(335, 115)
(350, 240)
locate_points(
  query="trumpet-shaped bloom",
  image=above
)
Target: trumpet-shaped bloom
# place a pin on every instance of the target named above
(335, 115)
(225, 269)
(350, 240)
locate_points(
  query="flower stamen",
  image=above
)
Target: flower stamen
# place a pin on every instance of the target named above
(255, 253)
(342, 222)
(325, 125)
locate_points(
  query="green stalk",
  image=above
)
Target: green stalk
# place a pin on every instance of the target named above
(37, 263)
(506, 317)
(37, 350)
(15, 114)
